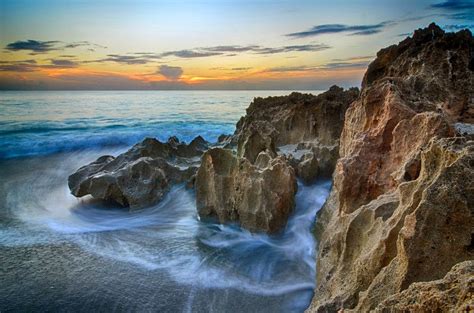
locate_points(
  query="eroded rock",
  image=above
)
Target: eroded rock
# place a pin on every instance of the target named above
(291, 124)
(401, 210)
(259, 196)
(141, 176)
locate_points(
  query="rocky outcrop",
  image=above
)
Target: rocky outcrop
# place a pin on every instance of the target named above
(304, 127)
(258, 196)
(401, 211)
(279, 136)
(141, 176)
(453, 293)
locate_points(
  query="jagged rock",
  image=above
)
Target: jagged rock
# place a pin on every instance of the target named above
(141, 176)
(453, 293)
(401, 210)
(274, 123)
(259, 196)
(257, 186)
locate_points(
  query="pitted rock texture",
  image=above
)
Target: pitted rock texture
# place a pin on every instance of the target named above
(259, 196)
(141, 176)
(256, 186)
(453, 293)
(401, 210)
(297, 119)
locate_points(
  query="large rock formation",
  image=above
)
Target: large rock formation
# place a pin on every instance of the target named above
(401, 210)
(304, 127)
(278, 136)
(453, 293)
(259, 196)
(141, 176)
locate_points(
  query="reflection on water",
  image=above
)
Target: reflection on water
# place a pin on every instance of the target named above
(78, 255)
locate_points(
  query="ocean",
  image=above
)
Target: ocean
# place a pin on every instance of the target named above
(60, 254)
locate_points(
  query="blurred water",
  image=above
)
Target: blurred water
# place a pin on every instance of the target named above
(43, 122)
(58, 253)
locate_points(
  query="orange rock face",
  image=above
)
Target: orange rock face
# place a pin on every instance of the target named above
(402, 206)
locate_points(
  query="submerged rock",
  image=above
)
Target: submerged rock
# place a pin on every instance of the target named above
(259, 196)
(401, 211)
(141, 176)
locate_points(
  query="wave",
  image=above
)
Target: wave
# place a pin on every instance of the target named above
(33, 140)
(167, 237)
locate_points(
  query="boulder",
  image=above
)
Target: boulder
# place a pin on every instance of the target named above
(141, 176)
(259, 196)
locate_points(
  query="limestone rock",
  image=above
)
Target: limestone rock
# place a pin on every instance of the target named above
(401, 210)
(272, 124)
(259, 196)
(141, 176)
(453, 293)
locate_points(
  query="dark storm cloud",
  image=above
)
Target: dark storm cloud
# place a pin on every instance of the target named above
(342, 28)
(170, 72)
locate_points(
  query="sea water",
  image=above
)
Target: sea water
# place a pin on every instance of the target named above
(58, 253)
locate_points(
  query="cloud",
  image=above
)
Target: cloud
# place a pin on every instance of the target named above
(187, 54)
(456, 9)
(32, 45)
(37, 47)
(32, 66)
(64, 63)
(294, 48)
(342, 28)
(454, 5)
(84, 44)
(203, 52)
(353, 62)
(123, 59)
(455, 27)
(281, 69)
(232, 48)
(240, 68)
(170, 72)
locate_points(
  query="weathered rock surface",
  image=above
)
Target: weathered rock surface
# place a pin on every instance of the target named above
(453, 293)
(256, 187)
(401, 210)
(297, 124)
(141, 176)
(259, 196)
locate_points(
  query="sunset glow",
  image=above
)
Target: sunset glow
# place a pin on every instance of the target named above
(203, 44)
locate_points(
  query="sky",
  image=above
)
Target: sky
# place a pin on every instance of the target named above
(212, 44)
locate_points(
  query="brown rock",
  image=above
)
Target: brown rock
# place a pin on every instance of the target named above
(453, 293)
(402, 207)
(141, 176)
(258, 196)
